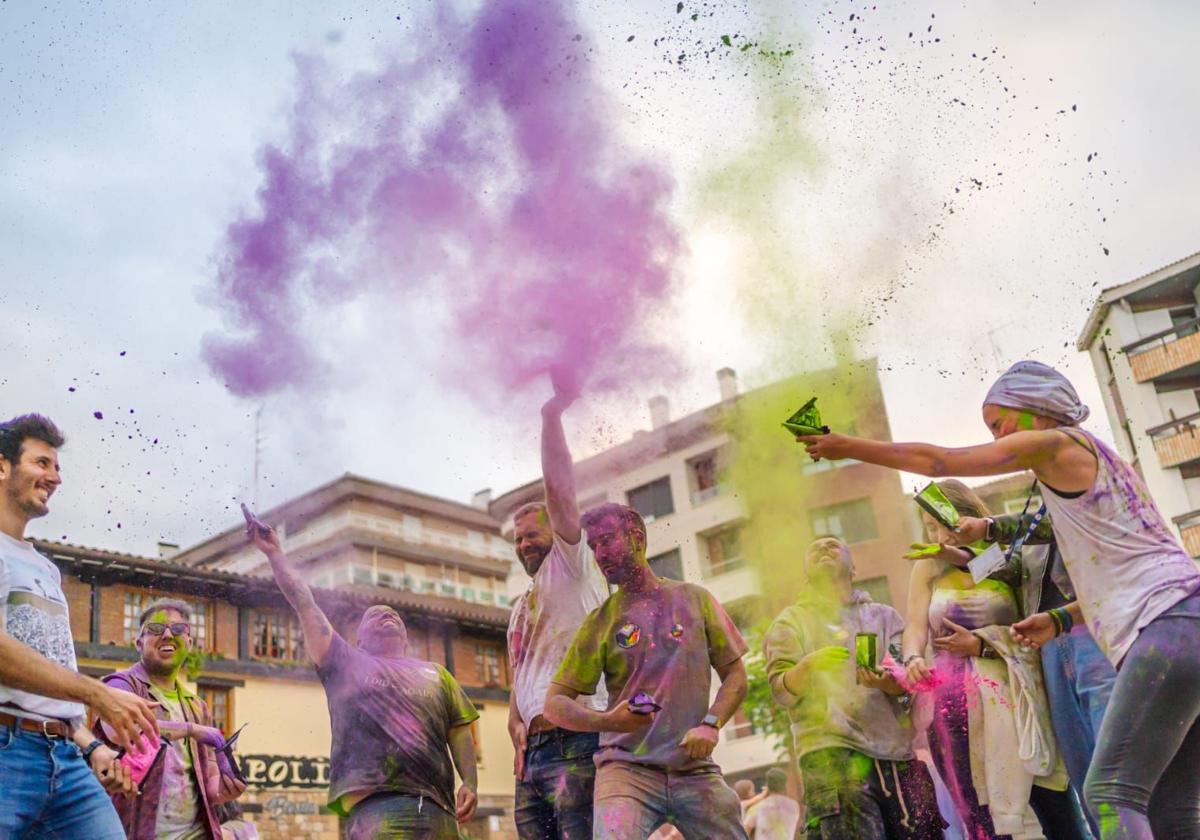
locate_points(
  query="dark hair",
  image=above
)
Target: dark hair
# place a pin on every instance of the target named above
(154, 606)
(776, 780)
(629, 518)
(14, 432)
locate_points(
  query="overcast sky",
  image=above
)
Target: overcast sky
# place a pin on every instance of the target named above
(944, 208)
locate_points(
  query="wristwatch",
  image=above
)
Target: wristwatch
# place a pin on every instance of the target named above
(989, 533)
(711, 720)
(89, 749)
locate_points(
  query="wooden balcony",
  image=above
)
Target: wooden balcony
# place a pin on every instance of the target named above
(1189, 530)
(1166, 352)
(1177, 442)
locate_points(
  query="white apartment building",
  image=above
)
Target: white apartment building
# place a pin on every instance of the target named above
(673, 474)
(1144, 340)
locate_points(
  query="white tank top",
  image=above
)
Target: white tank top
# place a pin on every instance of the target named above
(1125, 564)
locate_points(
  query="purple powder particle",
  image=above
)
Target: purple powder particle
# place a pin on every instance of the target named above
(99, 415)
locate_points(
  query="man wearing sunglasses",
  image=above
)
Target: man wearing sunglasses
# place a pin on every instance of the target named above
(183, 787)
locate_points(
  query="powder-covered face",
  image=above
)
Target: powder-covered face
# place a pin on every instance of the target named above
(617, 550)
(935, 532)
(163, 654)
(1002, 421)
(533, 538)
(29, 484)
(381, 629)
(829, 557)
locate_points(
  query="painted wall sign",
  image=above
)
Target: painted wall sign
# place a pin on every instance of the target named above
(284, 771)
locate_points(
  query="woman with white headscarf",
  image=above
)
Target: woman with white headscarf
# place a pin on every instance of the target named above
(1137, 590)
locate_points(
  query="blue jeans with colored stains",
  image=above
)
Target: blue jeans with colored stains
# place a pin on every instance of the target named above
(48, 791)
(554, 800)
(1143, 781)
(633, 800)
(398, 816)
(1079, 681)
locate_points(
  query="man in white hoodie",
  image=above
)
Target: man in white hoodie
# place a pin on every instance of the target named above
(849, 724)
(553, 766)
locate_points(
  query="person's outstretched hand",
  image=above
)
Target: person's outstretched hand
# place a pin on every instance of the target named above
(566, 388)
(1034, 631)
(126, 715)
(832, 446)
(265, 541)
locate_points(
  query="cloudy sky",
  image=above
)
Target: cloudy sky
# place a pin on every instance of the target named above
(922, 169)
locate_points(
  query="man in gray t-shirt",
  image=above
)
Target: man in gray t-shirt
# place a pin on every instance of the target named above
(655, 642)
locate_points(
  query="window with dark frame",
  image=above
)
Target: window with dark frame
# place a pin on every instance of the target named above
(724, 552)
(488, 668)
(851, 521)
(669, 564)
(652, 500)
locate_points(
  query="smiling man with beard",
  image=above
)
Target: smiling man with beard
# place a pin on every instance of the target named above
(183, 788)
(392, 717)
(656, 643)
(47, 789)
(553, 766)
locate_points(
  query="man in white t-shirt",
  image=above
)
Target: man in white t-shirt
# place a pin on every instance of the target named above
(45, 753)
(776, 816)
(553, 766)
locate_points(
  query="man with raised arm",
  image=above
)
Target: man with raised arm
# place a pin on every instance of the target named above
(656, 643)
(392, 718)
(46, 788)
(553, 766)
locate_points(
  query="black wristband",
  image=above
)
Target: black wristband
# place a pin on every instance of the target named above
(91, 748)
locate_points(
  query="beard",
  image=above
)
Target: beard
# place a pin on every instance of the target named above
(24, 501)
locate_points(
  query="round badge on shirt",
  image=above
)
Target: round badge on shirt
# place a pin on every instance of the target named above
(628, 635)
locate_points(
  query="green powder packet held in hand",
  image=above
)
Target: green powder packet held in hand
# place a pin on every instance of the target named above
(934, 502)
(806, 421)
(866, 650)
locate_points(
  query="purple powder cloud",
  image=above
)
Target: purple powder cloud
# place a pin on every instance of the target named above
(481, 168)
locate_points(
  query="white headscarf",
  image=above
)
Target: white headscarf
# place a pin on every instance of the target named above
(1038, 388)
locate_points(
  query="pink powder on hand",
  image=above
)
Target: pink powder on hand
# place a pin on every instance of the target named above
(139, 763)
(901, 676)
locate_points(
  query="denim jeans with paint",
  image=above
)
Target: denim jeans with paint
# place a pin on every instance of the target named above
(1079, 681)
(1143, 782)
(633, 800)
(851, 796)
(554, 800)
(48, 791)
(398, 816)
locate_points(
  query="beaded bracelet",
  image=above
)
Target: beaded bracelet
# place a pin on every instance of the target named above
(1063, 618)
(1058, 626)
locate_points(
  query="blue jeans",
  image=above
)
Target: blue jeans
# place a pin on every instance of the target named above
(48, 791)
(632, 800)
(1079, 682)
(554, 800)
(397, 816)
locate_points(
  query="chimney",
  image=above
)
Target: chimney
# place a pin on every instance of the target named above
(167, 550)
(482, 498)
(727, 382)
(660, 412)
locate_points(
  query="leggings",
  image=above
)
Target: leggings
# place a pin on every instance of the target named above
(1144, 780)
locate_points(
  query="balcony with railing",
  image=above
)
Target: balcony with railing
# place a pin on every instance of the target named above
(1189, 531)
(1177, 442)
(1172, 353)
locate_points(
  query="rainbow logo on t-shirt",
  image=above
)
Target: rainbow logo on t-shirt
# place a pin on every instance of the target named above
(629, 635)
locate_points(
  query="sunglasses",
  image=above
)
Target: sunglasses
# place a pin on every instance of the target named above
(157, 628)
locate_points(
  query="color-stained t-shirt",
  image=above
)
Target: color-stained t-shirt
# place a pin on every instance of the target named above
(566, 587)
(178, 801)
(34, 611)
(391, 718)
(833, 710)
(665, 643)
